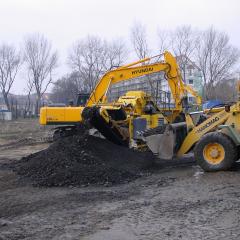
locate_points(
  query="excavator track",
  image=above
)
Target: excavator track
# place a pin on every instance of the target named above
(64, 131)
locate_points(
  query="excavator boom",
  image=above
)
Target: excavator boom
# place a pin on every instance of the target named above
(169, 66)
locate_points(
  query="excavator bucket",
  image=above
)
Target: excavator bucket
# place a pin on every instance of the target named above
(104, 123)
(165, 142)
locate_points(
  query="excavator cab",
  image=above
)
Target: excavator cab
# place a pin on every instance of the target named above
(82, 99)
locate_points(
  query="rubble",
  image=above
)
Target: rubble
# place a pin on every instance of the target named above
(83, 160)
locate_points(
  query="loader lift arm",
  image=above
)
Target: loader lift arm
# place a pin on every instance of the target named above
(197, 132)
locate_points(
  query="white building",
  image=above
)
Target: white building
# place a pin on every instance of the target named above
(5, 115)
(191, 76)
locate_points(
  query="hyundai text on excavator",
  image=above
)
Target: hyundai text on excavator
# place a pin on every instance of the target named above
(123, 121)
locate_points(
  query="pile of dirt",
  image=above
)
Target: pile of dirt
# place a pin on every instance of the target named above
(82, 160)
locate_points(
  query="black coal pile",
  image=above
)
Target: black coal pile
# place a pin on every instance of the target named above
(83, 160)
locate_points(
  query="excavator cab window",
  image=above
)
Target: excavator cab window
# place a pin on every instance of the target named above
(82, 99)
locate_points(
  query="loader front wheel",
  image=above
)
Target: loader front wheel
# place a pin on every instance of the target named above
(215, 152)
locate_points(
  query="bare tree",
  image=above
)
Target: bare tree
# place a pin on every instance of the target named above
(10, 62)
(28, 101)
(138, 36)
(183, 41)
(65, 89)
(41, 61)
(215, 57)
(87, 57)
(13, 105)
(92, 57)
(116, 53)
(163, 40)
(224, 90)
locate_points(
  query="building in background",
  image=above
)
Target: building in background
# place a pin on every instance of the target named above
(5, 115)
(192, 76)
(154, 84)
(2, 103)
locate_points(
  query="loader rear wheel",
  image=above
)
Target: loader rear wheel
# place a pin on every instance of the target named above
(215, 152)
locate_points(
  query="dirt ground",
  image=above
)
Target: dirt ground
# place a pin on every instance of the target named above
(176, 201)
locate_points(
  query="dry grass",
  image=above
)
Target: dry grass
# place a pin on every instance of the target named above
(21, 128)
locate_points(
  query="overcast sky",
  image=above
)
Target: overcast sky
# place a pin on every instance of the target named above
(65, 21)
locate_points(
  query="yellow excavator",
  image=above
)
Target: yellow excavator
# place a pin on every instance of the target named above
(124, 120)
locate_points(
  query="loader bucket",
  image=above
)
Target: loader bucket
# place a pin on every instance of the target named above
(166, 143)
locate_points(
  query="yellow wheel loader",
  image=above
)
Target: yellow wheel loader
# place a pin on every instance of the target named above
(123, 121)
(215, 141)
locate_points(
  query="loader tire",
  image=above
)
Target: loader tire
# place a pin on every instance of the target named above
(215, 152)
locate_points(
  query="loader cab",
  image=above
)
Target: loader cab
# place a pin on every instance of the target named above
(82, 99)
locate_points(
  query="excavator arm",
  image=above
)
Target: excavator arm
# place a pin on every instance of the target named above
(169, 67)
(194, 93)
